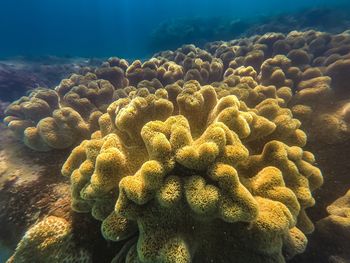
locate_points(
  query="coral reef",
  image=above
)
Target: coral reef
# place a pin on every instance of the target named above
(313, 64)
(218, 169)
(200, 30)
(307, 70)
(200, 155)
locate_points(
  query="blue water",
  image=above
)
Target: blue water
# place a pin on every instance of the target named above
(5, 253)
(112, 27)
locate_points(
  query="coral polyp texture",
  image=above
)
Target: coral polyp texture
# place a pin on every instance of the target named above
(197, 178)
(50, 240)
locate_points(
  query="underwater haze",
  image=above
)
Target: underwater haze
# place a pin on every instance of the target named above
(102, 28)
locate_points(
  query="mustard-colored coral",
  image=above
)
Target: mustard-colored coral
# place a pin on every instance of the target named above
(304, 71)
(204, 179)
(39, 121)
(50, 240)
(198, 152)
(57, 119)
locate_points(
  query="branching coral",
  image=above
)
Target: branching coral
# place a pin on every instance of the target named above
(201, 179)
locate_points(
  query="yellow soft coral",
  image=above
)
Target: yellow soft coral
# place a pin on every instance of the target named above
(57, 119)
(50, 240)
(204, 179)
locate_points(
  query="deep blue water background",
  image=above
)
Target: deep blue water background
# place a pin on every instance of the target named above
(91, 28)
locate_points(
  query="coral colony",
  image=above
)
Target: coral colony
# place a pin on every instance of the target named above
(196, 155)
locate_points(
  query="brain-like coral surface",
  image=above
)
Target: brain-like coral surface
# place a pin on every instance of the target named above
(201, 179)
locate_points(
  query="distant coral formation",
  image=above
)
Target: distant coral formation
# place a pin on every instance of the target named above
(307, 70)
(200, 30)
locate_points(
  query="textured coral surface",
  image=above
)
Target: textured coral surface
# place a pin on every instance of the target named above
(308, 70)
(49, 241)
(210, 171)
(200, 155)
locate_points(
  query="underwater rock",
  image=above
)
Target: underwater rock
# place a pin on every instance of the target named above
(330, 19)
(204, 179)
(29, 186)
(197, 30)
(15, 82)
